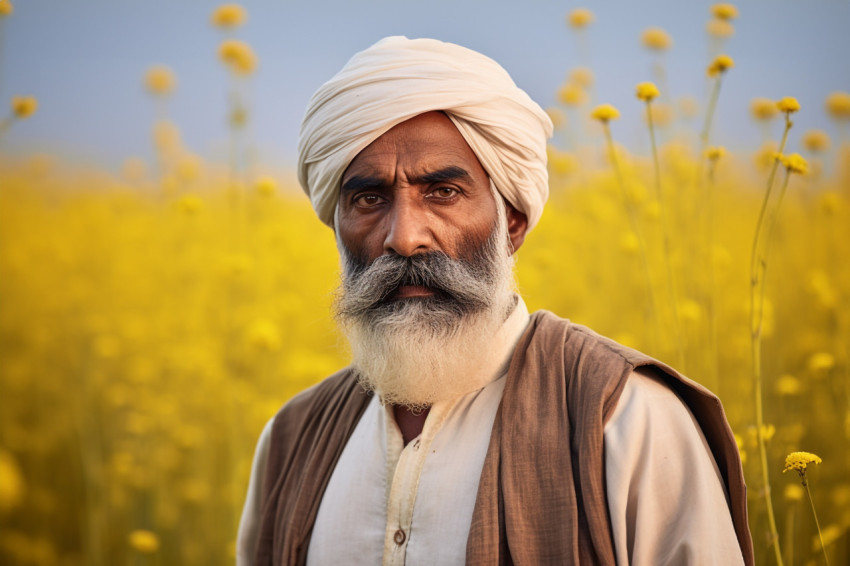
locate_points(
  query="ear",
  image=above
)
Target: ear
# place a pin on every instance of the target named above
(517, 225)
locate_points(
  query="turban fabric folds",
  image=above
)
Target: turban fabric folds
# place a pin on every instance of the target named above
(397, 79)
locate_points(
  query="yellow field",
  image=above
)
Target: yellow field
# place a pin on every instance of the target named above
(151, 323)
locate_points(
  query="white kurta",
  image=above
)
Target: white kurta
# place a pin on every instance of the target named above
(394, 504)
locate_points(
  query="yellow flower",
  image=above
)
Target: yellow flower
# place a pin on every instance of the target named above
(816, 141)
(266, 186)
(144, 541)
(787, 384)
(720, 64)
(838, 105)
(160, 80)
(580, 18)
(763, 109)
(24, 106)
(795, 163)
(799, 461)
(572, 95)
(719, 28)
(264, 335)
(656, 38)
(238, 56)
(715, 153)
(6, 8)
(788, 104)
(724, 11)
(11, 482)
(190, 204)
(794, 492)
(646, 91)
(821, 361)
(228, 16)
(605, 113)
(581, 76)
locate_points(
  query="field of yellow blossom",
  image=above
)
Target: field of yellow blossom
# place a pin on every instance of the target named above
(152, 322)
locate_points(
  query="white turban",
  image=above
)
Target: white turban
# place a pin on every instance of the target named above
(397, 79)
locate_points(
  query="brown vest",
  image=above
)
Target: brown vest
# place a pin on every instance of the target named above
(541, 497)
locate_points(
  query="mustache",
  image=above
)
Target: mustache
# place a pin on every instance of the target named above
(465, 285)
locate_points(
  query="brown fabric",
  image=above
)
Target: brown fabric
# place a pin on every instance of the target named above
(540, 504)
(308, 436)
(542, 496)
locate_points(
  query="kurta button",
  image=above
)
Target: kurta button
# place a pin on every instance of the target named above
(399, 537)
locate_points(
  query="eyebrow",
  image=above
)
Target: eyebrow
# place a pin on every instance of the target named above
(450, 173)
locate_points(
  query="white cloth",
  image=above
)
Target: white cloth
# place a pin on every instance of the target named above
(399, 78)
(665, 495)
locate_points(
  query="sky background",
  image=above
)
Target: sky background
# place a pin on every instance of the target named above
(85, 60)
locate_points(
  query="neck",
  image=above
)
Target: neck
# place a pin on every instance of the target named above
(408, 422)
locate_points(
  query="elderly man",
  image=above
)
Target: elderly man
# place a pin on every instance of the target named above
(465, 429)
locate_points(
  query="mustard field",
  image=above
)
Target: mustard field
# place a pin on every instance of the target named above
(153, 320)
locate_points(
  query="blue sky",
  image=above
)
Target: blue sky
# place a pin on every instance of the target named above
(84, 60)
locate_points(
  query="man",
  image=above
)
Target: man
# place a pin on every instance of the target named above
(467, 430)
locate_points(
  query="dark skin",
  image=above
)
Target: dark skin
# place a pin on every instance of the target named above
(419, 188)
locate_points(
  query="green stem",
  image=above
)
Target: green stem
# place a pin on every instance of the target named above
(666, 240)
(817, 523)
(759, 264)
(621, 183)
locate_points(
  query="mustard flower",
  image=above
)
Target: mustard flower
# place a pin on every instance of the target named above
(715, 153)
(720, 64)
(6, 8)
(795, 163)
(228, 16)
(799, 462)
(580, 18)
(605, 113)
(724, 11)
(656, 39)
(763, 109)
(266, 186)
(816, 141)
(12, 484)
(838, 105)
(24, 106)
(572, 95)
(143, 541)
(646, 91)
(581, 76)
(238, 56)
(160, 80)
(789, 105)
(719, 28)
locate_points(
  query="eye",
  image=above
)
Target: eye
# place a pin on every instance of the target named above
(367, 200)
(444, 193)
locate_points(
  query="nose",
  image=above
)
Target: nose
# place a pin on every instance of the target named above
(408, 232)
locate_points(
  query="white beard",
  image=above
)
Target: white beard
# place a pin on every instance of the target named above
(419, 353)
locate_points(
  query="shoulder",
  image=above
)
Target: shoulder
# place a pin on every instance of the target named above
(318, 399)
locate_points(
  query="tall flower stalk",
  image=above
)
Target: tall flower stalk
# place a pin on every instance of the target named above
(647, 92)
(758, 269)
(799, 462)
(604, 113)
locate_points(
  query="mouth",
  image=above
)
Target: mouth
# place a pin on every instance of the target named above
(411, 291)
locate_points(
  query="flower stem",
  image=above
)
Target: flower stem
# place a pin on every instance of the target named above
(666, 240)
(817, 523)
(758, 268)
(621, 183)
